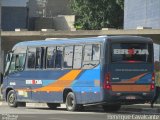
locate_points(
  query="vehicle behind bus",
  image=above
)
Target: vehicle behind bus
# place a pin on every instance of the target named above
(107, 70)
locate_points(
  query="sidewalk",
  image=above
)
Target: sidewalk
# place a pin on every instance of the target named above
(145, 108)
(125, 108)
(135, 106)
(142, 107)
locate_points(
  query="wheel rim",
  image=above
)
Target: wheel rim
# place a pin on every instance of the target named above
(11, 99)
(70, 102)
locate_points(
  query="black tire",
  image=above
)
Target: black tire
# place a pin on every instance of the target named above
(81, 108)
(71, 103)
(53, 105)
(111, 108)
(12, 99)
(21, 104)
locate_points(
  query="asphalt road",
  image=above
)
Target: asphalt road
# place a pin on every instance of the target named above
(42, 112)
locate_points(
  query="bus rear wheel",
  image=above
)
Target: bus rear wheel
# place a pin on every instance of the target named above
(53, 105)
(11, 99)
(71, 103)
(111, 108)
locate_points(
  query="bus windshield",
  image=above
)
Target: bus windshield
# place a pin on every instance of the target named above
(131, 52)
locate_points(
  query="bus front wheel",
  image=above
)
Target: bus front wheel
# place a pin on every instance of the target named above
(71, 103)
(11, 99)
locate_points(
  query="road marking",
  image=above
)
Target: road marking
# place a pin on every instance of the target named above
(0, 103)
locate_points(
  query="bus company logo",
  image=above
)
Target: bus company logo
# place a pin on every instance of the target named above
(131, 51)
(33, 82)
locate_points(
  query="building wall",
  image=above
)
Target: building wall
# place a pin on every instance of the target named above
(29, 13)
(48, 8)
(61, 22)
(142, 13)
(36, 8)
(14, 14)
(64, 22)
(14, 3)
(57, 7)
(43, 23)
(14, 17)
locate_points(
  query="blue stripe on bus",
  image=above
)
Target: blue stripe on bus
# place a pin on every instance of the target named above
(86, 89)
(47, 82)
(145, 79)
(86, 81)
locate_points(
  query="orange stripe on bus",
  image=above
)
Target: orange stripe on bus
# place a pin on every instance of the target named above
(61, 83)
(134, 79)
(130, 88)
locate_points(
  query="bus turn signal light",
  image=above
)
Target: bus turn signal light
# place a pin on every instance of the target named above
(153, 76)
(152, 87)
(107, 84)
(153, 82)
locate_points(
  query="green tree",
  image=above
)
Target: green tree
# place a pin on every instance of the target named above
(98, 14)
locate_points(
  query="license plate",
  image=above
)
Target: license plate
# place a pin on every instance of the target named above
(130, 97)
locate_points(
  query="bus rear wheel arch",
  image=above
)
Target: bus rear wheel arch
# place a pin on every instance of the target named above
(65, 93)
(71, 103)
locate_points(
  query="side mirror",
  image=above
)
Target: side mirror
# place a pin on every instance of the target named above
(8, 57)
(17, 62)
(7, 62)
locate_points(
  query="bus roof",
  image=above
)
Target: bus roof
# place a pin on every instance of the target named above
(60, 41)
(66, 41)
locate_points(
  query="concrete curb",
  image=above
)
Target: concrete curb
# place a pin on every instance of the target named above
(43, 105)
(36, 105)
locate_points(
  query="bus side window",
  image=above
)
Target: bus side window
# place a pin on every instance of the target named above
(20, 61)
(31, 58)
(77, 63)
(88, 53)
(96, 52)
(59, 57)
(91, 56)
(51, 56)
(68, 57)
(39, 57)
